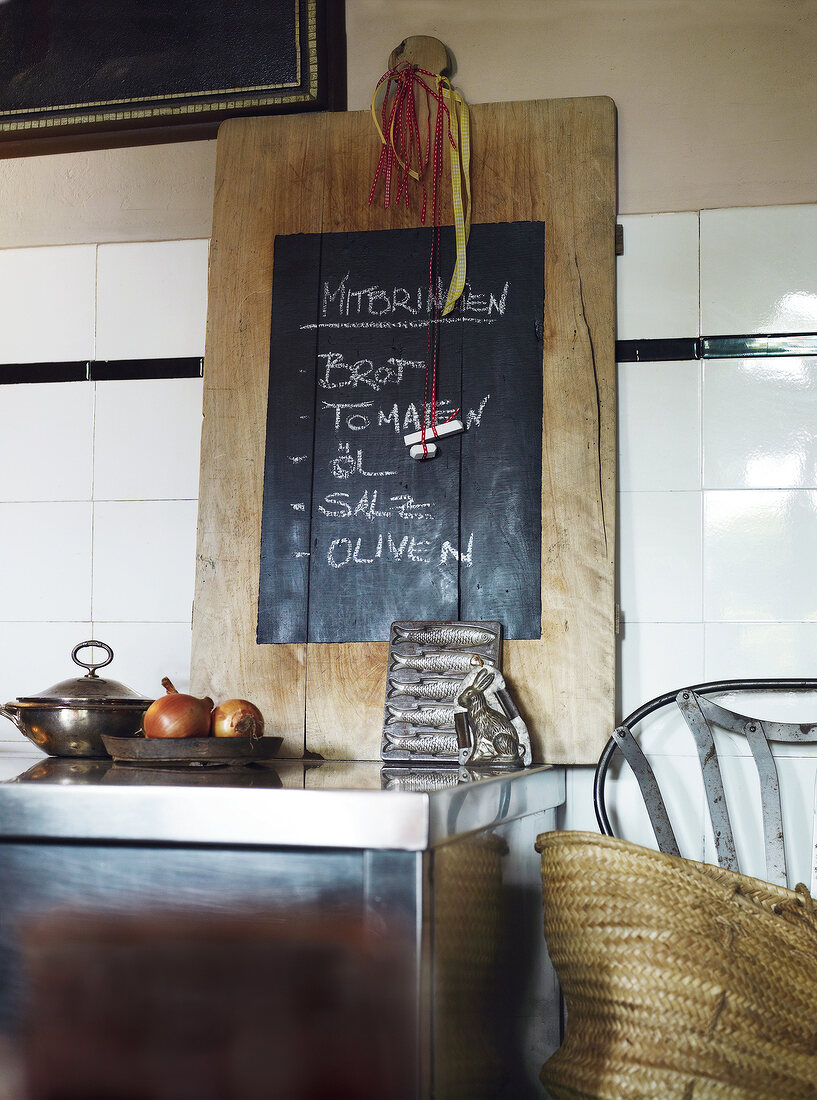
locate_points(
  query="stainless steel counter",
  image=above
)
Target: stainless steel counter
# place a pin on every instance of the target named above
(309, 804)
(443, 858)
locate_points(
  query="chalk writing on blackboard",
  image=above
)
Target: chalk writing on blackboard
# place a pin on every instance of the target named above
(355, 533)
(345, 305)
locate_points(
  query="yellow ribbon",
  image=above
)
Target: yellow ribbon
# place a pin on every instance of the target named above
(459, 117)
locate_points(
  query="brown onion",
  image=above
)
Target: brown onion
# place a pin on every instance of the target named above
(237, 718)
(177, 715)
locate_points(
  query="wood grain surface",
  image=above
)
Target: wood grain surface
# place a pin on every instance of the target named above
(543, 160)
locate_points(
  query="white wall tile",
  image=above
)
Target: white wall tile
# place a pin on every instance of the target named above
(46, 441)
(145, 652)
(742, 790)
(759, 270)
(657, 658)
(147, 439)
(33, 657)
(760, 423)
(660, 557)
(45, 562)
(756, 555)
(760, 649)
(144, 561)
(797, 782)
(577, 811)
(785, 706)
(47, 304)
(659, 426)
(657, 277)
(742, 787)
(681, 786)
(768, 706)
(151, 299)
(666, 734)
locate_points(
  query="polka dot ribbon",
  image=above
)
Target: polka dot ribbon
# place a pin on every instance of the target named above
(404, 155)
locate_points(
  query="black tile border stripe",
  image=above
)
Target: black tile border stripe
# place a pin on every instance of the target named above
(627, 351)
(747, 347)
(110, 370)
(14, 373)
(101, 370)
(716, 347)
(656, 351)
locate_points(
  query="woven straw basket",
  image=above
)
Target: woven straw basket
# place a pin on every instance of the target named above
(681, 979)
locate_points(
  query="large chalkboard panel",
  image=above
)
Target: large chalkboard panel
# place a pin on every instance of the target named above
(355, 533)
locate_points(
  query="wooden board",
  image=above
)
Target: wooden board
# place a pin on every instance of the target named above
(550, 161)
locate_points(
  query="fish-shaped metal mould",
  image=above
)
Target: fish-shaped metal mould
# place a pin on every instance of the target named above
(459, 636)
(435, 662)
(422, 781)
(438, 690)
(436, 717)
(436, 744)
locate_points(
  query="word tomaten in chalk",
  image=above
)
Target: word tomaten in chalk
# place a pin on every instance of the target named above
(349, 414)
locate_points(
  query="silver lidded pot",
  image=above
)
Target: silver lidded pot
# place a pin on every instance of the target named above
(69, 718)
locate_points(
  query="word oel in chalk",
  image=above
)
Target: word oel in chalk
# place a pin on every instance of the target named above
(414, 440)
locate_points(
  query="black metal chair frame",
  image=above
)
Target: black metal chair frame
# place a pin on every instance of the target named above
(700, 714)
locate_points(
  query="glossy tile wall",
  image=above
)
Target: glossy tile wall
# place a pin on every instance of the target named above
(718, 458)
(717, 468)
(98, 480)
(717, 489)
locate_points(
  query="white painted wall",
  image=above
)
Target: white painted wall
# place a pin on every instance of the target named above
(717, 99)
(717, 107)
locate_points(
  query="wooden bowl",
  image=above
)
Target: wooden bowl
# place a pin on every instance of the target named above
(191, 750)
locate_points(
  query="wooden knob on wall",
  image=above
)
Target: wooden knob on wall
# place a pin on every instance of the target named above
(427, 53)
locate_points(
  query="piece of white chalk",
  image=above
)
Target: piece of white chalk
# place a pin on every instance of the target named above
(417, 450)
(450, 427)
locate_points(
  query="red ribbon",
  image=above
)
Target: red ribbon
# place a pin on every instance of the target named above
(402, 153)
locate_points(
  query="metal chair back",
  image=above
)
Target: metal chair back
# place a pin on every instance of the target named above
(702, 716)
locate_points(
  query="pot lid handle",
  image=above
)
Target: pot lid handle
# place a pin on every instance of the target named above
(91, 665)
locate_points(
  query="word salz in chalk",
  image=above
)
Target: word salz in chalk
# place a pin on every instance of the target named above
(372, 506)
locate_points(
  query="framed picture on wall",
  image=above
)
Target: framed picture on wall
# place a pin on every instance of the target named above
(74, 68)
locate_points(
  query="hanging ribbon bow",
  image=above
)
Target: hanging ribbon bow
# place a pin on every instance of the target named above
(404, 155)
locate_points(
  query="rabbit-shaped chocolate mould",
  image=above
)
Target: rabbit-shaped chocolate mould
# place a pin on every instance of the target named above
(493, 726)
